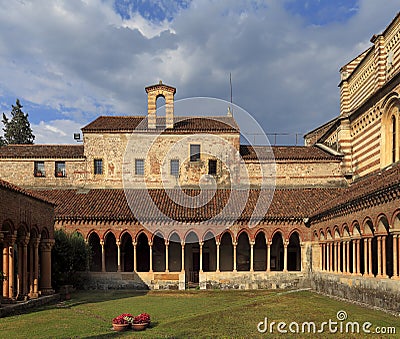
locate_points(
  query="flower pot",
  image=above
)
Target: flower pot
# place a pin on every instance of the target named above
(120, 327)
(140, 327)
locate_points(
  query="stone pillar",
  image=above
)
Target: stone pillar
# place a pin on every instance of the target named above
(134, 243)
(285, 246)
(103, 256)
(321, 252)
(24, 244)
(251, 256)
(31, 267)
(268, 256)
(348, 256)
(151, 256)
(217, 243)
(118, 256)
(339, 254)
(234, 257)
(166, 255)
(45, 266)
(358, 270)
(354, 257)
(201, 256)
(379, 274)
(366, 257)
(11, 266)
(344, 257)
(328, 257)
(395, 256)
(6, 271)
(370, 257)
(183, 256)
(335, 256)
(36, 268)
(384, 256)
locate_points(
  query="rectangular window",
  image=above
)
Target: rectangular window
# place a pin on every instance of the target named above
(98, 166)
(212, 167)
(38, 169)
(194, 152)
(175, 167)
(60, 169)
(139, 166)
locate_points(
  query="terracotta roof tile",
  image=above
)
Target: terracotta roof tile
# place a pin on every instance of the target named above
(181, 124)
(111, 204)
(32, 194)
(42, 151)
(285, 153)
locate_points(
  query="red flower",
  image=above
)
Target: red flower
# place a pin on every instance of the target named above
(142, 318)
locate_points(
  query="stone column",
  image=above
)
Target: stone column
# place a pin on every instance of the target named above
(384, 256)
(103, 256)
(335, 256)
(328, 256)
(395, 256)
(45, 266)
(201, 256)
(234, 257)
(320, 256)
(251, 256)
(358, 257)
(151, 256)
(354, 257)
(31, 267)
(118, 256)
(24, 244)
(166, 255)
(339, 253)
(285, 246)
(134, 243)
(344, 257)
(36, 268)
(366, 257)
(379, 274)
(11, 266)
(268, 256)
(348, 256)
(370, 257)
(5, 270)
(183, 256)
(217, 243)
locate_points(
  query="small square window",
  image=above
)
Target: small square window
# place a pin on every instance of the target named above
(60, 169)
(98, 166)
(212, 167)
(38, 169)
(139, 166)
(175, 167)
(194, 152)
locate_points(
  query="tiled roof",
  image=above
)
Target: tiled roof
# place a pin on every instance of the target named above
(363, 188)
(32, 194)
(284, 153)
(42, 151)
(111, 204)
(181, 124)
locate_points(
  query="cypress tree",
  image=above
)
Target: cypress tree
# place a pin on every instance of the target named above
(18, 129)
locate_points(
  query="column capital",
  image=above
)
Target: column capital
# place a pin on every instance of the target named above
(201, 243)
(118, 242)
(134, 243)
(102, 242)
(217, 243)
(182, 243)
(252, 243)
(166, 242)
(47, 244)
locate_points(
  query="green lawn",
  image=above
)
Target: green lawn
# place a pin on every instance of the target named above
(192, 314)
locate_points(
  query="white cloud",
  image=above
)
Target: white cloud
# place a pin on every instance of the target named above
(55, 131)
(81, 59)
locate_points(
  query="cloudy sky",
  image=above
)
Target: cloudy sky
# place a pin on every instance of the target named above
(70, 61)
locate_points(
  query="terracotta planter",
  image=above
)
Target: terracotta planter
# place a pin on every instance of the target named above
(140, 327)
(120, 327)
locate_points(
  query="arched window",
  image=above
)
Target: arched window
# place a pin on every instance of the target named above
(393, 139)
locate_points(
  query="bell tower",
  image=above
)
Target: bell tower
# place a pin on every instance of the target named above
(153, 93)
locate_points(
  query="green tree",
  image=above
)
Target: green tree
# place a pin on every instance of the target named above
(18, 129)
(70, 254)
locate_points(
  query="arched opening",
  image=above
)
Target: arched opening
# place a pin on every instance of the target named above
(111, 252)
(389, 133)
(158, 253)
(161, 107)
(175, 253)
(192, 257)
(94, 243)
(143, 253)
(277, 254)
(243, 252)
(209, 253)
(260, 252)
(226, 253)
(294, 253)
(126, 253)
(385, 243)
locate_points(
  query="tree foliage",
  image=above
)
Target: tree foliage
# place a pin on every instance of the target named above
(18, 129)
(70, 254)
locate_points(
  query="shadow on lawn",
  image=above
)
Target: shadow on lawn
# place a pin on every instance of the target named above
(131, 333)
